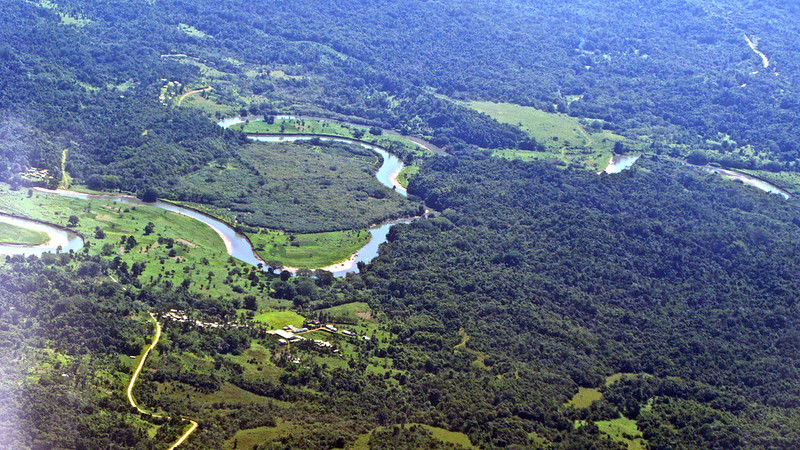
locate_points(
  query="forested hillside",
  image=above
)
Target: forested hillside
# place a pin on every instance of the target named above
(673, 73)
(525, 304)
(571, 277)
(677, 72)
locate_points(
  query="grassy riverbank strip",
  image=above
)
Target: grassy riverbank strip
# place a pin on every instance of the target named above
(12, 234)
(330, 128)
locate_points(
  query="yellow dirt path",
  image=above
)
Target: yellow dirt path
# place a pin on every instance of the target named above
(136, 373)
(180, 100)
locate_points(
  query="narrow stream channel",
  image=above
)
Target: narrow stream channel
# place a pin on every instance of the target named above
(619, 163)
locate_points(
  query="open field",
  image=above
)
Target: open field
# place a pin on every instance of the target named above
(565, 138)
(555, 131)
(624, 431)
(585, 397)
(351, 313)
(445, 436)
(255, 436)
(12, 234)
(311, 250)
(280, 319)
(207, 104)
(526, 155)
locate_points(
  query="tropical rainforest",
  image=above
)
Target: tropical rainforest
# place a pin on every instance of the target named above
(519, 299)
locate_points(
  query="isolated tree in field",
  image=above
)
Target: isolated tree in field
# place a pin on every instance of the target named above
(358, 133)
(250, 302)
(130, 243)
(99, 233)
(73, 221)
(148, 229)
(138, 268)
(375, 131)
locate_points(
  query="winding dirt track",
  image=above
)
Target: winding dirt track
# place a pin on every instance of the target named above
(754, 47)
(136, 373)
(180, 100)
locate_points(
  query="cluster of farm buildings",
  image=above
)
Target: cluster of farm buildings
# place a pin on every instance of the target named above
(291, 334)
(181, 317)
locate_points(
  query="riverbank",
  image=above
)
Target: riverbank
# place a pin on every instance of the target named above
(619, 163)
(58, 238)
(239, 245)
(16, 235)
(345, 129)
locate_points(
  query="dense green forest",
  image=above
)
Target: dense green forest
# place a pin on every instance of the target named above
(538, 305)
(480, 325)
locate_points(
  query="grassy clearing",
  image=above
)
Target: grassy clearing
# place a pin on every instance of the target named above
(12, 234)
(247, 439)
(480, 357)
(192, 31)
(526, 155)
(79, 22)
(66, 180)
(351, 313)
(307, 251)
(230, 394)
(280, 319)
(555, 131)
(566, 138)
(205, 103)
(446, 436)
(281, 75)
(257, 363)
(622, 430)
(66, 19)
(405, 175)
(611, 379)
(585, 397)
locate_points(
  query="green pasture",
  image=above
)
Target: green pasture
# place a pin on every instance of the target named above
(566, 138)
(308, 251)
